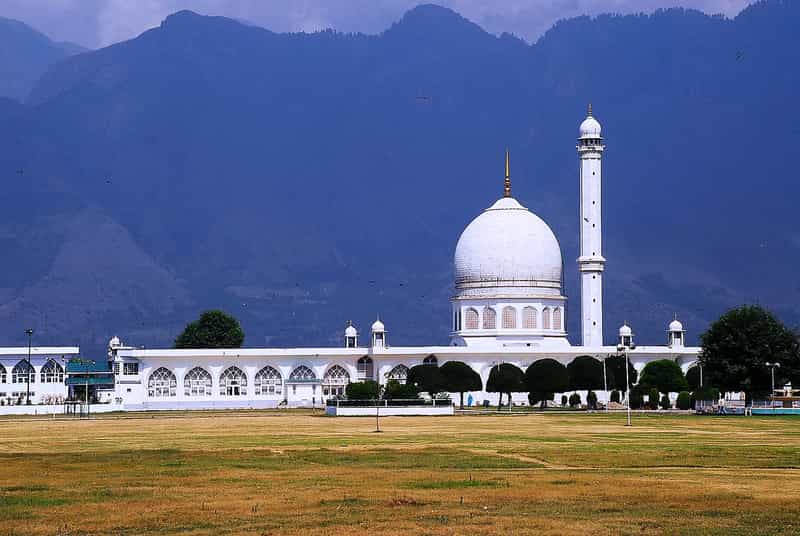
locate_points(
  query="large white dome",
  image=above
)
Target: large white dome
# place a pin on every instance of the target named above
(508, 250)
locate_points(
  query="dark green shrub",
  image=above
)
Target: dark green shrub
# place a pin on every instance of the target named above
(615, 396)
(665, 403)
(637, 397)
(564, 400)
(684, 400)
(574, 400)
(652, 398)
(395, 390)
(367, 390)
(591, 400)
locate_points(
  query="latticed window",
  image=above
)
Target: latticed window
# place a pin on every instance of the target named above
(2, 374)
(22, 372)
(546, 318)
(268, 381)
(335, 381)
(398, 374)
(162, 383)
(471, 319)
(303, 374)
(509, 318)
(365, 368)
(557, 318)
(233, 382)
(51, 373)
(530, 318)
(197, 382)
(489, 318)
(431, 360)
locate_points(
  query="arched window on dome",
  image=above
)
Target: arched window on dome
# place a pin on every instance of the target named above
(233, 382)
(557, 318)
(431, 360)
(3, 373)
(197, 382)
(335, 381)
(546, 318)
(471, 319)
(268, 381)
(530, 318)
(398, 374)
(365, 369)
(489, 318)
(162, 383)
(509, 318)
(21, 370)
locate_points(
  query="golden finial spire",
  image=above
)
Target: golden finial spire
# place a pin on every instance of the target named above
(590, 109)
(507, 189)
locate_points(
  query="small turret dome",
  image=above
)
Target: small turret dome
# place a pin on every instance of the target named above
(675, 325)
(378, 327)
(114, 342)
(350, 331)
(625, 331)
(590, 128)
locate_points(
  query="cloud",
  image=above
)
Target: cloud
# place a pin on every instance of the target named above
(95, 23)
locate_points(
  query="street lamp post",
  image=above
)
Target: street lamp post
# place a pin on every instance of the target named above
(29, 332)
(772, 371)
(605, 384)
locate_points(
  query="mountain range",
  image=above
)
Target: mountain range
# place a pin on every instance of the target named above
(302, 180)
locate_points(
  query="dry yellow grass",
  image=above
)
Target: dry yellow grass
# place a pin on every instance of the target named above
(300, 473)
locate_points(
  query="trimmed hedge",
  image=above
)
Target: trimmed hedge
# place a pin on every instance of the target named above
(684, 400)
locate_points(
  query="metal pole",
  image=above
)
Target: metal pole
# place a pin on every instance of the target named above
(627, 387)
(605, 385)
(29, 331)
(377, 416)
(701, 375)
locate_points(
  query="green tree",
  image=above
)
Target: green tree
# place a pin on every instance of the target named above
(395, 390)
(460, 378)
(564, 400)
(693, 377)
(591, 400)
(738, 345)
(574, 400)
(637, 397)
(544, 378)
(427, 378)
(585, 373)
(652, 398)
(615, 373)
(665, 402)
(214, 329)
(366, 390)
(684, 400)
(505, 378)
(665, 375)
(615, 396)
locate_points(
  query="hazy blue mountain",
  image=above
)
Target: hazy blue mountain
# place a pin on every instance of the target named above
(301, 180)
(25, 54)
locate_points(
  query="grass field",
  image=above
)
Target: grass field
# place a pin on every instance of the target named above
(300, 473)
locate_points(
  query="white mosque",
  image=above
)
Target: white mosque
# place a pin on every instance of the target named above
(508, 307)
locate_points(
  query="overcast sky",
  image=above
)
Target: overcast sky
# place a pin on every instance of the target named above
(95, 23)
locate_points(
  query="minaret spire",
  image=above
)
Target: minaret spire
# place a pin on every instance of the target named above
(507, 188)
(590, 110)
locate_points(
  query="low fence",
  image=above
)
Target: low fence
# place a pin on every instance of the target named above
(388, 408)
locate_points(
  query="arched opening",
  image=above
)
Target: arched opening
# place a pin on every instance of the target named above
(22, 373)
(197, 382)
(335, 381)
(302, 374)
(399, 374)
(365, 369)
(162, 383)
(51, 372)
(509, 318)
(546, 318)
(3, 377)
(233, 382)
(471, 319)
(268, 382)
(557, 318)
(431, 360)
(489, 318)
(530, 318)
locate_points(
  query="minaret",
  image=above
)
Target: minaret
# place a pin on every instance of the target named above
(591, 261)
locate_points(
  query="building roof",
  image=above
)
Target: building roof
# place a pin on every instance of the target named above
(40, 350)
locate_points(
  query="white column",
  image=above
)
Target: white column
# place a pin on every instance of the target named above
(591, 262)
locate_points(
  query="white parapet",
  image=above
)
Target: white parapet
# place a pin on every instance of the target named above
(390, 411)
